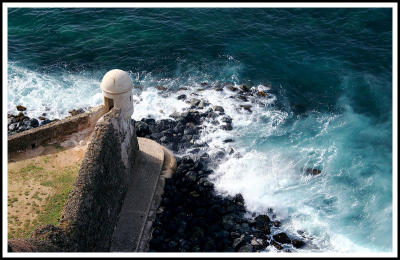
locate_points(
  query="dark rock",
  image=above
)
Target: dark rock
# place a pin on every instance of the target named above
(243, 98)
(75, 112)
(162, 88)
(218, 109)
(238, 198)
(262, 221)
(191, 176)
(142, 129)
(276, 223)
(180, 97)
(301, 233)
(246, 107)
(313, 171)
(246, 248)
(261, 94)
(230, 150)
(34, 123)
(238, 241)
(235, 235)
(219, 155)
(21, 108)
(226, 119)
(276, 245)
(282, 238)
(244, 88)
(209, 245)
(229, 140)
(228, 222)
(298, 243)
(218, 89)
(149, 121)
(45, 122)
(258, 243)
(41, 118)
(227, 127)
(232, 88)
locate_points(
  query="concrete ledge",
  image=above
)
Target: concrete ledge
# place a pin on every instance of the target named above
(143, 197)
(37, 136)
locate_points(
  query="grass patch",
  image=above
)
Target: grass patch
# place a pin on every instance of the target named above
(47, 206)
(30, 171)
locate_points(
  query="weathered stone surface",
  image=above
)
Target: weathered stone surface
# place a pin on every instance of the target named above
(91, 212)
(49, 130)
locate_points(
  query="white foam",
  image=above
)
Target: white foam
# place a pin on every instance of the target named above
(149, 103)
(53, 94)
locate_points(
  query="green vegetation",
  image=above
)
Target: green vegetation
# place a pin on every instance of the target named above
(45, 205)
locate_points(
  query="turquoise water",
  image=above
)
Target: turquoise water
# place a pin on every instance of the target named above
(329, 71)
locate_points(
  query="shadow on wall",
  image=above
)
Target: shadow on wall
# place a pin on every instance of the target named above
(92, 209)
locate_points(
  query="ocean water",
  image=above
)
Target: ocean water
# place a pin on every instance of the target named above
(328, 73)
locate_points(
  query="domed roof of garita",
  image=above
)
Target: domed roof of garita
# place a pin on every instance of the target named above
(116, 82)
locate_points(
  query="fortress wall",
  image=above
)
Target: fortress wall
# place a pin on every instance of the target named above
(92, 210)
(37, 136)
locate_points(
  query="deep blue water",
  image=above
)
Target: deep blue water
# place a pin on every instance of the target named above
(329, 70)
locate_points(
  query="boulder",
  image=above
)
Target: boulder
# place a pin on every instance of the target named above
(21, 108)
(298, 243)
(313, 171)
(75, 112)
(232, 88)
(219, 109)
(258, 243)
(262, 221)
(261, 94)
(282, 238)
(238, 241)
(276, 245)
(244, 88)
(246, 248)
(243, 98)
(276, 223)
(34, 122)
(246, 107)
(142, 129)
(181, 97)
(227, 127)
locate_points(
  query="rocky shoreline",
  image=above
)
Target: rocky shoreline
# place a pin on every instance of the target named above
(21, 122)
(192, 217)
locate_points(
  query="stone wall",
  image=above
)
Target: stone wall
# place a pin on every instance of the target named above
(36, 136)
(91, 212)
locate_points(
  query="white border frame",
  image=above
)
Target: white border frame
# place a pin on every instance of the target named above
(394, 253)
